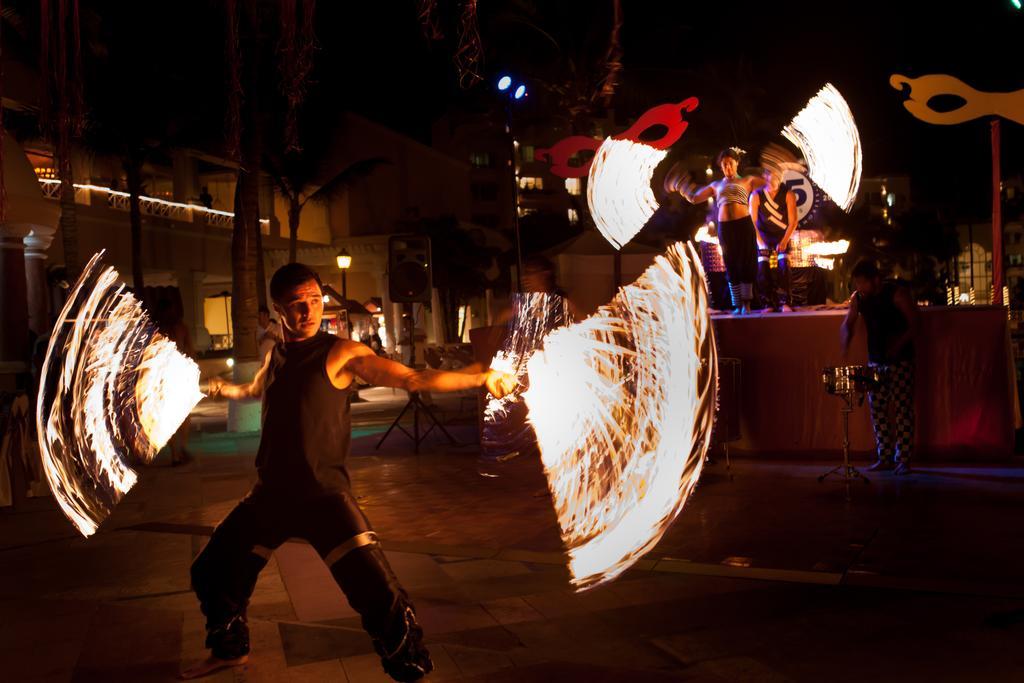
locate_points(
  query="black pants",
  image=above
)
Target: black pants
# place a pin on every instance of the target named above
(224, 574)
(773, 283)
(739, 250)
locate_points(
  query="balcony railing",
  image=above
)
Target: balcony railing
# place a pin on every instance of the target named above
(150, 206)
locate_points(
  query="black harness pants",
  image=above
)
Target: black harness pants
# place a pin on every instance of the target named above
(225, 572)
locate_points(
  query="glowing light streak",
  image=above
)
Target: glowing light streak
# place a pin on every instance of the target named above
(826, 263)
(112, 391)
(704, 235)
(154, 200)
(827, 248)
(619, 190)
(622, 404)
(534, 315)
(826, 133)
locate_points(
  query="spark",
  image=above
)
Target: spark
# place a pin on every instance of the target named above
(622, 404)
(112, 391)
(534, 314)
(619, 190)
(826, 133)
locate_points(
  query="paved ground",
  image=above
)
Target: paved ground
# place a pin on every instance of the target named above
(766, 576)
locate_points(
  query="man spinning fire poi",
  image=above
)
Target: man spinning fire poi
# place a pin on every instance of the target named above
(304, 489)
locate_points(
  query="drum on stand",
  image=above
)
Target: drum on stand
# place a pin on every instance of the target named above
(849, 383)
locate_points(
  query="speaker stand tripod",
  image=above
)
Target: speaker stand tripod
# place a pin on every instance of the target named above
(418, 406)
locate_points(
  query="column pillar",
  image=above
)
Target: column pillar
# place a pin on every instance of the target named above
(436, 318)
(388, 309)
(185, 185)
(13, 305)
(38, 291)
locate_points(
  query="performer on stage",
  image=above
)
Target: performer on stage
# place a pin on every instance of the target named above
(735, 228)
(890, 316)
(773, 208)
(303, 488)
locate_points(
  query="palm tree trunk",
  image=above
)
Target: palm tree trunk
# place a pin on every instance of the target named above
(244, 254)
(243, 269)
(133, 169)
(294, 213)
(68, 220)
(261, 275)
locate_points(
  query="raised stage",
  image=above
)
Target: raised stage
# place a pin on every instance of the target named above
(966, 396)
(965, 393)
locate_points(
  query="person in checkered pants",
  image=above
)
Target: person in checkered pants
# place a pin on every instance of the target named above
(890, 317)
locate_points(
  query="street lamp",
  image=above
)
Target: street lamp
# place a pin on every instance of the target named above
(344, 263)
(513, 95)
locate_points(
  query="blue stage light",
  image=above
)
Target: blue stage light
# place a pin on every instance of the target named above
(520, 92)
(504, 83)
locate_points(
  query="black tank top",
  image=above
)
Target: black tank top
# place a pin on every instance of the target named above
(307, 427)
(772, 212)
(885, 323)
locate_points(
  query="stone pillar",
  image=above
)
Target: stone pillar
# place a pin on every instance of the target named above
(436, 318)
(190, 284)
(388, 309)
(13, 304)
(38, 290)
(185, 178)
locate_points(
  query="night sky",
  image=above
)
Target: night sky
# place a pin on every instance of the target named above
(752, 65)
(770, 56)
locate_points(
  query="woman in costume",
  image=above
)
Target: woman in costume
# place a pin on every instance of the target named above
(735, 227)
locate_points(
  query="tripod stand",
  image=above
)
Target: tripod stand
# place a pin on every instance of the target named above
(847, 471)
(418, 406)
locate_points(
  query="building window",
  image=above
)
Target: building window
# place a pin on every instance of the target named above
(484, 192)
(528, 183)
(574, 216)
(1016, 259)
(573, 186)
(526, 154)
(480, 159)
(523, 211)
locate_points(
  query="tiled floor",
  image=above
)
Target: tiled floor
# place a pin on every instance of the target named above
(767, 576)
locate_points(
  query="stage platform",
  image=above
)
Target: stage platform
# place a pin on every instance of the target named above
(966, 398)
(966, 403)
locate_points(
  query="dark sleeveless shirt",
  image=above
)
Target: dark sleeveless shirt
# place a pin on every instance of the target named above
(885, 323)
(772, 213)
(307, 427)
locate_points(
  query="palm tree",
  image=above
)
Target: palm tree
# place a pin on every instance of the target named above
(245, 232)
(61, 109)
(293, 175)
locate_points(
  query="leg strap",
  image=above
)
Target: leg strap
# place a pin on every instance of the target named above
(357, 541)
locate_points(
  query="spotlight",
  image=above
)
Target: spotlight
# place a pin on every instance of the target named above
(520, 92)
(504, 83)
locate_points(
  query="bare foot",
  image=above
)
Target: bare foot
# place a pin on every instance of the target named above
(211, 664)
